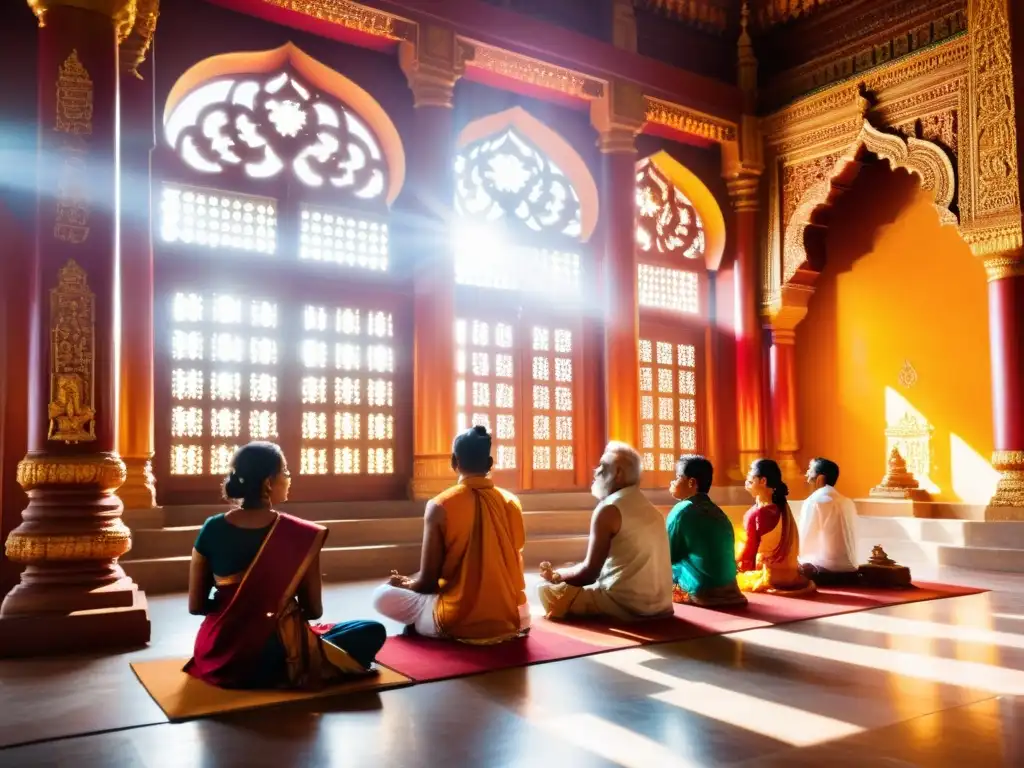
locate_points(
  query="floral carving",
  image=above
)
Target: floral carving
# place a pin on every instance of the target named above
(504, 177)
(667, 222)
(797, 179)
(263, 126)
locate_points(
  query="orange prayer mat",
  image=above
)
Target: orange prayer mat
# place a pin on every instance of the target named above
(425, 659)
(183, 697)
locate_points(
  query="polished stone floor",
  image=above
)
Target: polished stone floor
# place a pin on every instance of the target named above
(928, 684)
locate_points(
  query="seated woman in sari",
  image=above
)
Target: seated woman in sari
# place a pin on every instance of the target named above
(768, 557)
(265, 568)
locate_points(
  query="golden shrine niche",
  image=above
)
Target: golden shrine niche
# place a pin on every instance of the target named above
(72, 354)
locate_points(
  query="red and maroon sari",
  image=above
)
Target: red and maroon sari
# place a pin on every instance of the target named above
(251, 607)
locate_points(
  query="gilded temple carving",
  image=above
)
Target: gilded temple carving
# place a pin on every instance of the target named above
(798, 179)
(995, 128)
(923, 158)
(940, 129)
(72, 352)
(73, 123)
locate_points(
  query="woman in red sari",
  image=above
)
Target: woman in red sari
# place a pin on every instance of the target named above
(263, 567)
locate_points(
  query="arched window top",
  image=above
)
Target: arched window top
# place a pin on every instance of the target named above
(506, 177)
(512, 168)
(677, 216)
(667, 222)
(281, 112)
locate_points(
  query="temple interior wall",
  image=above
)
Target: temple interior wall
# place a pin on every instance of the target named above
(896, 288)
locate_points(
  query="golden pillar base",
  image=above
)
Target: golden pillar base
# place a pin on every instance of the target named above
(73, 595)
(1010, 489)
(431, 475)
(139, 489)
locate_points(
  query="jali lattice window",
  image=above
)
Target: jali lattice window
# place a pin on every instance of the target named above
(668, 403)
(519, 218)
(224, 378)
(348, 420)
(290, 178)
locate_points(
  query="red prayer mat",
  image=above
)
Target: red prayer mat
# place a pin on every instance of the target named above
(424, 659)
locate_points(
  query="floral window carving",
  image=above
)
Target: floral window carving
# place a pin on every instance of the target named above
(667, 222)
(269, 125)
(505, 177)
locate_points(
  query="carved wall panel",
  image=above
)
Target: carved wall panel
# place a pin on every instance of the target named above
(921, 107)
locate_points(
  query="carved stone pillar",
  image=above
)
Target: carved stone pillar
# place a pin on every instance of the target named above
(73, 595)
(618, 117)
(743, 192)
(135, 439)
(432, 64)
(624, 25)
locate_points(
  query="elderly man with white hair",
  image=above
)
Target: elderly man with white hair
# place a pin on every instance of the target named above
(628, 571)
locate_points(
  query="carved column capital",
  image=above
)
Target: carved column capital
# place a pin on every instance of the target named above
(135, 45)
(743, 189)
(788, 309)
(1000, 266)
(432, 64)
(618, 116)
(122, 12)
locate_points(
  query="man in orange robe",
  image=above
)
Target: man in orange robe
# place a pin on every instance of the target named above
(470, 586)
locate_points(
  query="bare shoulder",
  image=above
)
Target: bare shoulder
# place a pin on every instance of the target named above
(434, 512)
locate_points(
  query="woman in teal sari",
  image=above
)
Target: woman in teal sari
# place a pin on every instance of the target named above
(701, 541)
(264, 569)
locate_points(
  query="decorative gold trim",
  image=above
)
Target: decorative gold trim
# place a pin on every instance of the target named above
(1003, 267)
(122, 12)
(534, 72)
(136, 45)
(104, 471)
(71, 408)
(354, 16)
(1004, 460)
(108, 543)
(690, 121)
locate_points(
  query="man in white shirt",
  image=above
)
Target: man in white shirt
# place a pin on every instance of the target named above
(828, 529)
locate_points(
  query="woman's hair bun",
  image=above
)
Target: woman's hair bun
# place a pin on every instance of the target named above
(783, 490)
(234, 487)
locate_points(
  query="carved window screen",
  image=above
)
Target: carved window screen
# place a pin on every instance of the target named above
(667, 222)
(675, 290)
(214, 219)
(265, 126)
(348, 415)
(519, 380)
(668, 406)
(224, 378)
(505, 178)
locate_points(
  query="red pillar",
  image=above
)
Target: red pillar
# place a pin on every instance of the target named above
(73, 595)
(432, 71)
(783, 404)
(618, 116)
(1006, 303)
(136, 365)
(1006, 333)
(749, 352)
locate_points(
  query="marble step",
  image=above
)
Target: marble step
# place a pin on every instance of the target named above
(170, 574)
(152, 543)
(955, 533)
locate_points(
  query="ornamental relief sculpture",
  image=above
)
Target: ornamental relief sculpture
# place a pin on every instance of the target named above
(925, 159)
(72, 358)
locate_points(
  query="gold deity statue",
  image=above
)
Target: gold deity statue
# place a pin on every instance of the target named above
(899, 482)
(70, 419)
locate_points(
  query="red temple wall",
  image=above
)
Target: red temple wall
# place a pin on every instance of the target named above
(897, 287)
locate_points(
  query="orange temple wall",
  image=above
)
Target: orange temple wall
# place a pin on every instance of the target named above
(896, 288)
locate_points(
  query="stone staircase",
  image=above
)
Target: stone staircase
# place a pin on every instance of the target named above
(366, 539)
(970, 544)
